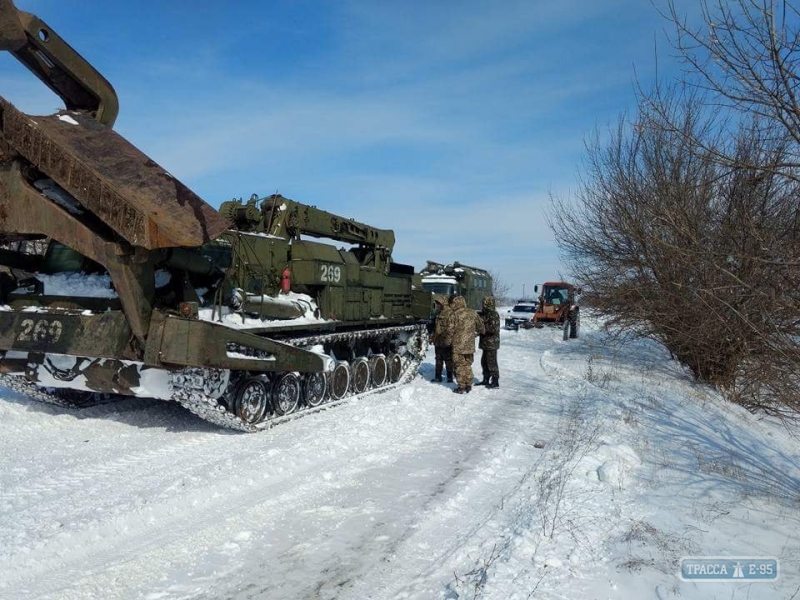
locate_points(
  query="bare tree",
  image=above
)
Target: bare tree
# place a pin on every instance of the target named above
(501, 289)
(744, 62)
(697, 253)
(686, 226)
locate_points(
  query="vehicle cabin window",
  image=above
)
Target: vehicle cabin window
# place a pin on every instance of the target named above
(556, 295)
(524, 308)
(440, 288)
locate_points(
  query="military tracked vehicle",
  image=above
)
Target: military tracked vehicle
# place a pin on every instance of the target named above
(117, 279)
(471, 282)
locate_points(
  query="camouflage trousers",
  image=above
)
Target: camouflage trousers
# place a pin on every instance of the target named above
(489, 363)
(464, 375)
(444, 358)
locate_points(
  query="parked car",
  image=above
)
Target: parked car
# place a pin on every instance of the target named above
(521, 315)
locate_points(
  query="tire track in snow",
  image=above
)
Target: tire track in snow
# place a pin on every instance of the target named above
(429, 550)
(177, 522)
(150, 537)
(130, 550)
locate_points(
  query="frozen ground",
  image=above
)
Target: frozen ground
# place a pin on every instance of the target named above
(414, 493)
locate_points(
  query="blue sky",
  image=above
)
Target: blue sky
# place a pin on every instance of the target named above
(449, 122)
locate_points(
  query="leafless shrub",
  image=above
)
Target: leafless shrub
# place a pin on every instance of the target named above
(723, 464)
(629, 418)
(663, 550)
(703, 257)
(709, 511)
(742, 58)
(501, 289)
(599, 376)
(686, 226)
(577, 437)
(470, 585)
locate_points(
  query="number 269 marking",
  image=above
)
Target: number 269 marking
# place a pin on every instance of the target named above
(40, 331)
(330, 273)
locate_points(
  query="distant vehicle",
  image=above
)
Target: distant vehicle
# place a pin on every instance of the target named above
(522, 314)
(471, 282)
(557, 305)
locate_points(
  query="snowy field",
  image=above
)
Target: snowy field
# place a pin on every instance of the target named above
(415, 493)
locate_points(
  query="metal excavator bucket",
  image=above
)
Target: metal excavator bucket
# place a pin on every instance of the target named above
(110, 178)
(139, 200)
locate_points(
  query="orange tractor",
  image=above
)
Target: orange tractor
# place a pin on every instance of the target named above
(558, 306)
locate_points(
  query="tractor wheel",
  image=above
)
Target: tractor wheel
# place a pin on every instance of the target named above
(574, 324)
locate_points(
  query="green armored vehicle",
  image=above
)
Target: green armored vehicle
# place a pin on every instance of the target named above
(471, 282)
(115, 278)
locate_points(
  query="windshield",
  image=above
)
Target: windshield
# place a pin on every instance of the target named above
(440, 288)
(555, 295)
(524, 308)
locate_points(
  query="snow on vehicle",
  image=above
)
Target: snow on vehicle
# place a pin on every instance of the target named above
(115, 278)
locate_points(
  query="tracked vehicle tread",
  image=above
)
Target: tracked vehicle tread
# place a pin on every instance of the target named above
(208, 407)
(21, 385)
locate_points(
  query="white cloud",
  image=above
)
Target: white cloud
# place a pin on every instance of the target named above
(447, 121)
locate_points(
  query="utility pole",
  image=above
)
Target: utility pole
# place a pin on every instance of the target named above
(523, 290)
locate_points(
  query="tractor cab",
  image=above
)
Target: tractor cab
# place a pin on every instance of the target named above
(555, 295)
(557, 306)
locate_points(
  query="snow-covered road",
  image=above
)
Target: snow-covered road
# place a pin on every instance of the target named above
(413, 493)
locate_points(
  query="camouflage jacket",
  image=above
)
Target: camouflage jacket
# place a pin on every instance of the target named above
(490, 340)
(465, 323)
(442, 334)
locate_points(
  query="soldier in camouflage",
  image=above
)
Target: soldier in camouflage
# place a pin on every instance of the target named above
(489, 343)
(442, 339)
(465, 324)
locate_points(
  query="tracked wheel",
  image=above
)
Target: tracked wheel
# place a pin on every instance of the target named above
(251, 400)
(395, 367)
(379, 369)
(315, 386)
(286, 394)
(361, 375)
(340, 380)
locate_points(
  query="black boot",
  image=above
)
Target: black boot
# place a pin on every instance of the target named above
(495, 382)
(438, 379)
(449, 378)
(460, 390)
(485, 381)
